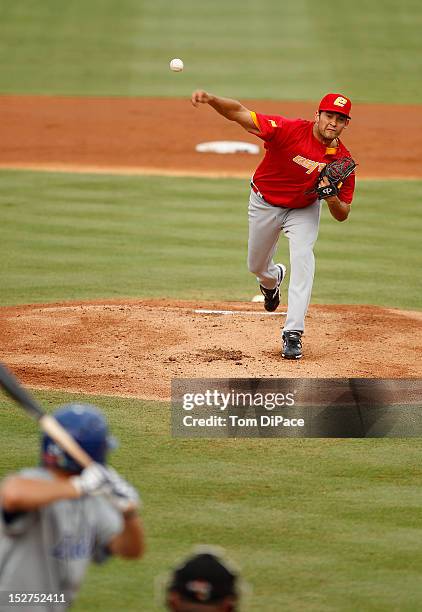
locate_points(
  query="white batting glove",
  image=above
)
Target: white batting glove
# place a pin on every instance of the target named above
(123, 494)
(93, 480)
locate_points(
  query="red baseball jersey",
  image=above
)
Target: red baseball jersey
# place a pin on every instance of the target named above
(292, 162)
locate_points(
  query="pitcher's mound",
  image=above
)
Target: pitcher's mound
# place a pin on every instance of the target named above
(135, 347)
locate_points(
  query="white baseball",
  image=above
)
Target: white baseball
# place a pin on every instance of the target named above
(176, 65)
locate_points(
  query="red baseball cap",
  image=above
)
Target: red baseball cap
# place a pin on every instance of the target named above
(336, 103)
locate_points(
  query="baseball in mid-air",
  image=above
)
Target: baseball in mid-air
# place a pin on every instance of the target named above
(176, 65)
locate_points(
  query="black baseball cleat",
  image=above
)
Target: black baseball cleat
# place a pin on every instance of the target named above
(292, 345)
(272, 296)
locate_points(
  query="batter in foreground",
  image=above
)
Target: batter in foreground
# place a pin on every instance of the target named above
(286, 193)
(57, 518)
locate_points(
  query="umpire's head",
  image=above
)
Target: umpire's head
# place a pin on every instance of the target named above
(203, 583)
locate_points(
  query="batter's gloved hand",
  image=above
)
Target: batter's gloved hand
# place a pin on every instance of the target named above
(334, 173)
(124, 496)
(93, 480)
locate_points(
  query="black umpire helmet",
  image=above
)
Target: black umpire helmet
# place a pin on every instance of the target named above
(202, 582)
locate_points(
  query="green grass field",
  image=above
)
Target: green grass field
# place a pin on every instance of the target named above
(315, 525)
(87, 236)
(308, 521)
(318, 525)
(268, 49)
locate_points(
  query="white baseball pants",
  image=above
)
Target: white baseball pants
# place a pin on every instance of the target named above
(300, 226)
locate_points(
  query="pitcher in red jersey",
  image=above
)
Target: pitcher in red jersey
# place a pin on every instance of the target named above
(283, 198)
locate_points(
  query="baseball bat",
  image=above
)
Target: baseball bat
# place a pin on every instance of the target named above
(47, 423)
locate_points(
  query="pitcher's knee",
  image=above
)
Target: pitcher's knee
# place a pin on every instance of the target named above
(254, 268)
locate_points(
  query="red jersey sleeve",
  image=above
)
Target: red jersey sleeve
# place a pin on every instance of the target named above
(347, 189)
(268, 125)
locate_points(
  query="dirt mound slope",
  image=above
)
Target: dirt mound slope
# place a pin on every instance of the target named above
(135, 347)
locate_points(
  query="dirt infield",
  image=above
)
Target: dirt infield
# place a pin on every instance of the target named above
(158, 136)
(135, 348)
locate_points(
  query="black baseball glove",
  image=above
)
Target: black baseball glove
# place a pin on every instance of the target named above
(336, 172)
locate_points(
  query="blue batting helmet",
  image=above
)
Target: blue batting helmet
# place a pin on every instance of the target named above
(87, 425)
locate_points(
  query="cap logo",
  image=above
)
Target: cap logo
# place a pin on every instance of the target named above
(200, 588)
(340, 101)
